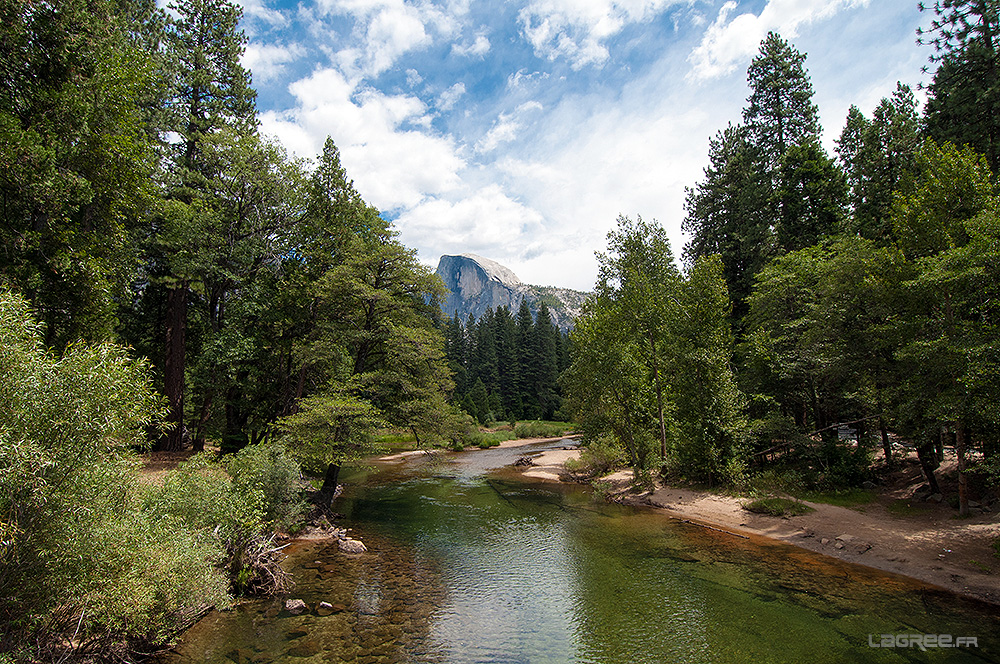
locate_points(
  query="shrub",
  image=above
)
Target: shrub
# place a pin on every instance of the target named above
(230, 514)
(81, 560)
(268, 470)
(600, 457)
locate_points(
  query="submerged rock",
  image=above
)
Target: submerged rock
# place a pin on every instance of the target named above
(296, 607)
(348, 545)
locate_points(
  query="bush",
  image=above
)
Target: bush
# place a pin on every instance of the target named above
(600, 457)
(487, 439)
(81, 559)
(227, 513)
(268, 470)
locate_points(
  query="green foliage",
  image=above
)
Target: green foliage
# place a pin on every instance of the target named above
(598, 458)
(507, 367)
(269, 471)
(962, 97)
(651, 358)
(335, 428)
(779, 112)
(78, 547)
(228, 512)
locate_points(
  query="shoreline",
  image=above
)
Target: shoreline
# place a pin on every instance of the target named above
(929, 546)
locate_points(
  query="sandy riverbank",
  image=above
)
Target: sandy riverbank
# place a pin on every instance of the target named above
(928, 543)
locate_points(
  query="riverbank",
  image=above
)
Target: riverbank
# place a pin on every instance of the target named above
(893, 533)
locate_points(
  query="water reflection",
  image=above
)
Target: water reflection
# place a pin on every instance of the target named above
(473, 567)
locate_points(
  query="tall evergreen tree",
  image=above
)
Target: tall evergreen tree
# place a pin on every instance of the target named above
(877, 155)
(728, 213)
(811, 194)
(963, 104)
(780, 112)
(211, 92)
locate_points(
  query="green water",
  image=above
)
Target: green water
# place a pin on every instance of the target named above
(468, 565)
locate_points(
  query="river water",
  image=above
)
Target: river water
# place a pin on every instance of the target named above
(471, 564)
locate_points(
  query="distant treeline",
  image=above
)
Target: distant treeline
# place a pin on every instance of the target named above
(506, 367)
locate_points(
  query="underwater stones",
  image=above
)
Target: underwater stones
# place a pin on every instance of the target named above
(296, 607)
(324, 609)
(353, 546)
(306, 648)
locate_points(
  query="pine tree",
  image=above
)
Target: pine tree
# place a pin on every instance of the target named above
(728, 213)
(211, 92)
(963, 104)
(877, 155)
(811, 194)
(779, 112)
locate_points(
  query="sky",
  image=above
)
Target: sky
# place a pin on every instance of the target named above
(520, 131)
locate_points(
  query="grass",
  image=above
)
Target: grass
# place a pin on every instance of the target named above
(486, 439)
(541, 429)
(981, 567)
(778, 507)
(852, 498)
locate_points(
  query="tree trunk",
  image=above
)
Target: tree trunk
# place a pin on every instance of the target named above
(963, 480)
(206, 411)
(928, 462)
(886, 445)
(174, 365)
(659, 400)
(234, 438)
(329, 488)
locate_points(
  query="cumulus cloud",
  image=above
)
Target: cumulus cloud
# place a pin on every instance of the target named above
(575, 29)
(385, 30)
(731, 40)
(258, 10)
(394, 161)
(479, 47)
(486, 221)
(450, 97)
(506, 127)
(267, 61)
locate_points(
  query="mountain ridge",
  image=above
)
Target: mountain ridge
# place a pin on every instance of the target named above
(476, 284)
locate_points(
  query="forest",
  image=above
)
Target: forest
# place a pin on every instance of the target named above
(171, 278)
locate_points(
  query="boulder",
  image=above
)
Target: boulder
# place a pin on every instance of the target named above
(348, 545)
(296, 607)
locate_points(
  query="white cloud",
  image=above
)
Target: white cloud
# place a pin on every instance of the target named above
(256, 9)
(506, 127)
(386, 30)
(267, 61)
(730, 42)
(486, 221)
(480, 47)
(450, 97)
(394, 161)
(413, 78)
(575, 29)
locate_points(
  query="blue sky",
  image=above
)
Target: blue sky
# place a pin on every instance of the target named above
(521, 130)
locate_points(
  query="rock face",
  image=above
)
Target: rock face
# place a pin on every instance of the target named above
(476, 284)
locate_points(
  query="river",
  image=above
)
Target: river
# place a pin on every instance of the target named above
(468, 563)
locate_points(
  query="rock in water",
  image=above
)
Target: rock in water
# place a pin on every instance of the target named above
(296, 607)
(348, 545)
(476, 284)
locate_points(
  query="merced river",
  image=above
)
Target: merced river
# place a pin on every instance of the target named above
(469, 563)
